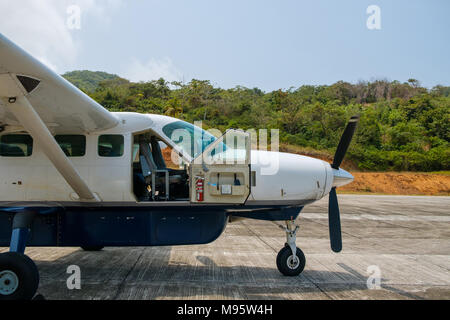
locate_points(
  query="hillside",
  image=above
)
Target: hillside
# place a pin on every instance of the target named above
(88, 81)
(403, 126)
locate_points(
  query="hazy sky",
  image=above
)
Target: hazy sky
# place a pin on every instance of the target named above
(253, 43)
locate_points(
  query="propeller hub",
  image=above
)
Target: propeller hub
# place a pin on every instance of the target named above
(341, 177)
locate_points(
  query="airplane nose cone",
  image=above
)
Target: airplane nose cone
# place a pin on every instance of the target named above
(341, 177)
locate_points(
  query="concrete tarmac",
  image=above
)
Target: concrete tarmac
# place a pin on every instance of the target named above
(404, 240)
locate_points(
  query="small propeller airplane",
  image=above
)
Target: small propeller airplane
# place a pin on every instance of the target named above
(74, 174)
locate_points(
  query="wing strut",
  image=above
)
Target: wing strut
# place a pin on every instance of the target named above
(30, 120)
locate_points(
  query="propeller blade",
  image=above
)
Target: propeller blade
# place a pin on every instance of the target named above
(334, 222)
(345, 142)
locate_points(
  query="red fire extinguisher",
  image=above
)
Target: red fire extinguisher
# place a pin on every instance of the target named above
(199, 186)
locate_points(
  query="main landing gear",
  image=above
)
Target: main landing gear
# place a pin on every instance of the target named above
(290, 260)
(19, 276)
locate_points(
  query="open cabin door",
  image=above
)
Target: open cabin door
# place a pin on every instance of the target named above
(221, 174)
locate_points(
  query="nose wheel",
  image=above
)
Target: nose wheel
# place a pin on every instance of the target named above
(291, 260)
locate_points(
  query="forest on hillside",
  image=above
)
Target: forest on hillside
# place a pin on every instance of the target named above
(403, 126)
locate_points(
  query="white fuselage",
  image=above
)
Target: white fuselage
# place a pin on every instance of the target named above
(279, 177)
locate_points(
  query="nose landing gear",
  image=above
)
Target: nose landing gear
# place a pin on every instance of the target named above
(290, 260)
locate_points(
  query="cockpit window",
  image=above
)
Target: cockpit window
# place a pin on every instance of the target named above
(191, 139)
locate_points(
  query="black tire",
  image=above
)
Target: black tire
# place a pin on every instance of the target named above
(287, 266)
(92, 248)
(18, 267)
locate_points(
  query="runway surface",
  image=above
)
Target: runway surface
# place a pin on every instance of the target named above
(406, 238)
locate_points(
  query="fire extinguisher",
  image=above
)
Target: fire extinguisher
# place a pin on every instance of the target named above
(199, 186)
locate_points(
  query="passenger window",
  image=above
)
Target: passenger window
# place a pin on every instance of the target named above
(72, 145)
(16, 145)
(110, 145)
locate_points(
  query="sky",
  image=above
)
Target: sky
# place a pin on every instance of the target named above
(251, 43)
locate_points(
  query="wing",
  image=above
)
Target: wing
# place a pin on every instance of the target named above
(60, 105)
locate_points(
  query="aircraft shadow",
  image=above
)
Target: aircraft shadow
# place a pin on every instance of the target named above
(154, 273)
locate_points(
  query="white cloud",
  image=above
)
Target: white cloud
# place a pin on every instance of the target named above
(153, 69)
(40, 27)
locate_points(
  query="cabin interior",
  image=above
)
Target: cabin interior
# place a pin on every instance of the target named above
(157, 176)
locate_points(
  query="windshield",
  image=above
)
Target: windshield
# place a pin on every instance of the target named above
(191, 139)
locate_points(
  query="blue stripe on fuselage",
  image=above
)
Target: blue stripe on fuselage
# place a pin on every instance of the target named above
(60, 225)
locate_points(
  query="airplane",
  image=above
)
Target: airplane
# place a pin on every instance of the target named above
(73, 174)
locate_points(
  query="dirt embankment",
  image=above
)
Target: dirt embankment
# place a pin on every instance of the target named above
(401, 183)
